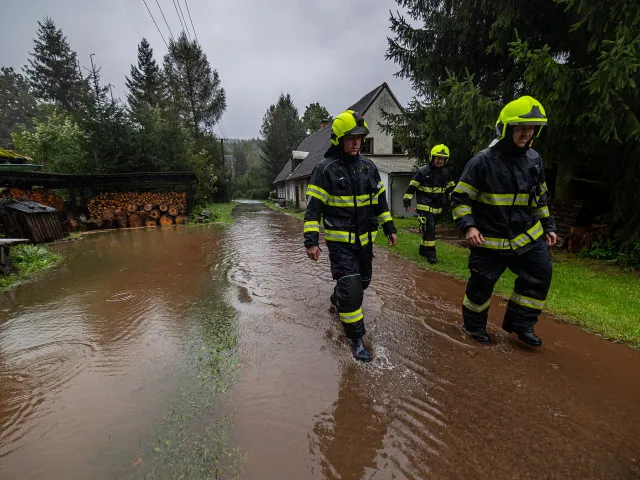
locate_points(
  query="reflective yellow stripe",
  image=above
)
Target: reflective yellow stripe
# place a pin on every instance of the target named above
(384, 217)
(504, 199)
(527, 301)
(543, 188)
(428, 243)
(364, 238)
(470, 190)
(382, 190)
(342, 236)
(414, 183)
(351, 317)
(451, 184)
(521, 240)
(475, 307)
(542, 212)
(347, 200)
(317, 192)
(408, 196)
(428, 208)
(460, 211)
(311, 227)
(432, 189)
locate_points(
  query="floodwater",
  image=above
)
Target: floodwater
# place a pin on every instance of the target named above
(94, 354)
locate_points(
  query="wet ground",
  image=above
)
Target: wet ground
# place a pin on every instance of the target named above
(93, 355)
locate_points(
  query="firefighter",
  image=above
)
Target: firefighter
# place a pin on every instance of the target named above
(346, 191)
(434, 185)
(500, 203)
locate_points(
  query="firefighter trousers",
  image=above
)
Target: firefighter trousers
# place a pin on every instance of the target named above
(351, 267)
(533, 270)
(427, 222)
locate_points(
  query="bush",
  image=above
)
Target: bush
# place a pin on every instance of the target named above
(624, 256)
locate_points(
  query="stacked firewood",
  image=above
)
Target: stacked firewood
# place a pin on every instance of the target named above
(131, 209)
(39, 195)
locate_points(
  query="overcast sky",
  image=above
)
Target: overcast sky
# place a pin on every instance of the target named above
(328, 51)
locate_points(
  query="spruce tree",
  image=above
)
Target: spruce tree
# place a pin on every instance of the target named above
(53, 69)
(17, 104)
(194, 85)
(145, 83)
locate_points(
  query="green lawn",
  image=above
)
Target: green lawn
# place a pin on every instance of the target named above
(221, 213)
(597, 297)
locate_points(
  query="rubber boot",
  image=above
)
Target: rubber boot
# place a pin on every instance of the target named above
(432, 260)
(530, 339)
(479, 335)
(360, 352)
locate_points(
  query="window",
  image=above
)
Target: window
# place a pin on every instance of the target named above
(367, 146)
(397, 148)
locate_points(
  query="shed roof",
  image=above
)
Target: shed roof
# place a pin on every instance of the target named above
(26, 206)
(394, 164)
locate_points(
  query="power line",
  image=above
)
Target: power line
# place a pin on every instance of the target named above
(154, 21)
(165, 21)
(192, 27)
(184, 18)
(180, 19)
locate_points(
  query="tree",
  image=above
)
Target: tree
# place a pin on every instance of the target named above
(55, 141)
(53, 69)
(281, 132)
(17, 104)
(313, 117)
(240, 159)
(580, 58)
(195, 87)
(145, 82)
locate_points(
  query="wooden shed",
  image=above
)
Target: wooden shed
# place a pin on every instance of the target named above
(39, 223)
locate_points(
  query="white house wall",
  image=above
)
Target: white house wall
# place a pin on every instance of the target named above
(382, 142)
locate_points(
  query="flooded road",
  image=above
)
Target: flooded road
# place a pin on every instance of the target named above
(117, 365)
(431, 404)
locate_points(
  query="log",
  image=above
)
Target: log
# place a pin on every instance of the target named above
(131, 207)
(107, 214)
(121, 220)
(173, 211)
(135, 220)
(154, 214)
(108, 223)
(181, 220)
(150, 222)
(166, 220)
(148, 207)
(163, 208)
(143, 216)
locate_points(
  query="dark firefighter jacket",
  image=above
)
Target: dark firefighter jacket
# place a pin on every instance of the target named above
(505, 198)
(433, 185)
(349, 195)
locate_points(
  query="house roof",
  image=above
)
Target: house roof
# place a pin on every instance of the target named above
(316, 144)
(394, 163)
(284, 173)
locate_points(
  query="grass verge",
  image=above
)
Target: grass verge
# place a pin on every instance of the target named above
(288, 211)
(213, 213)
(28, 260)
(599, 298)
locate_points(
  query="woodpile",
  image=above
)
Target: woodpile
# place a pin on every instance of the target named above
(38, 195)
(585, 237)
(131, 209)
(565, 213)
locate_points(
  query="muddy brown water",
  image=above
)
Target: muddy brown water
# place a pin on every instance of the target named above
(90, 353)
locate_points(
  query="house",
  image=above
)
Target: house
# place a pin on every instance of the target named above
(395, 166)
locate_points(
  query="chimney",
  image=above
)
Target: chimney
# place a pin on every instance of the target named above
(325, 122)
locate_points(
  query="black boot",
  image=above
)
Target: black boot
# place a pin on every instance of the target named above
(530, 339)
(432, 260)
(360, 352)
(479, 335)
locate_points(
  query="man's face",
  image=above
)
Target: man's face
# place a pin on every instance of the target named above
(352, 144)
(522, 134)
(438, 161)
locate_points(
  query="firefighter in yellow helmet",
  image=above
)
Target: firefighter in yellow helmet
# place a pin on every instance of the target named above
(346, 194)
(434, 184)
(500, 203)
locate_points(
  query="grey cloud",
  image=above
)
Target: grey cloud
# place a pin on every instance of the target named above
(330, 52)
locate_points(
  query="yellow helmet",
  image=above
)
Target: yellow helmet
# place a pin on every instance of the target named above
(440, 151)
(348, 123)
(522, 111)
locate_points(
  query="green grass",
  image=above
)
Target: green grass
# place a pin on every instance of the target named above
(28, 259)
(599, 298)
(221, 213)
(288, 211)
